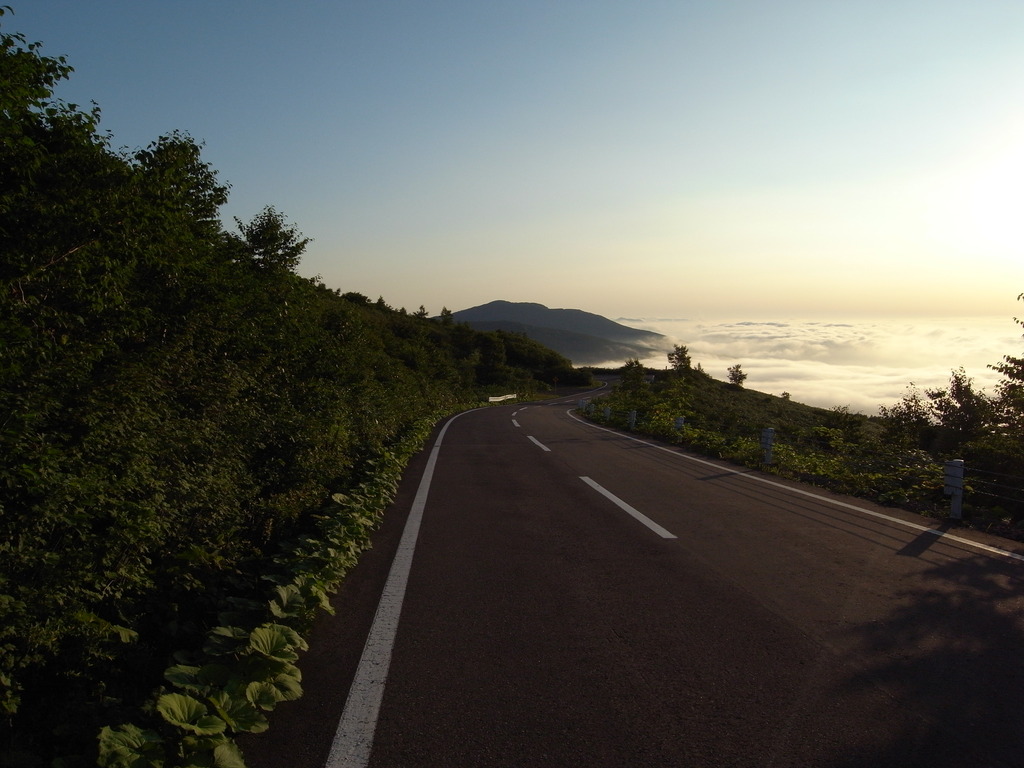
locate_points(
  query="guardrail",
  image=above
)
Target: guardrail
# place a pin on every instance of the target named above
(500, 398)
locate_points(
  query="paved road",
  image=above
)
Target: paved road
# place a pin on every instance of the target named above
(581, 598)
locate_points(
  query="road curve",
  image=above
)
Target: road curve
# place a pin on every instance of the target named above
(577, 597)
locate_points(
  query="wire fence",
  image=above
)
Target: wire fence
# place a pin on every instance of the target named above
(997, 486)
(916, 479)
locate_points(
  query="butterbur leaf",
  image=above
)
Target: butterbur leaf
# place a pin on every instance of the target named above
(198, 679)
(198, 750)
(189, 713)
(276, 642)
(222, 641)
(239, 713)
(128, 746)
(185, 676)
(228, 755)
(283, 686)
(287, 601)
(312, 589)
(262, 694)
(288, 686)
(294, 638)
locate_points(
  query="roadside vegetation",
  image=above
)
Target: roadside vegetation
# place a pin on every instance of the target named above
(196, 441)
(896, 458)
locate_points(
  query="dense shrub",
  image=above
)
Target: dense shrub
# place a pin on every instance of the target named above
(196, 439)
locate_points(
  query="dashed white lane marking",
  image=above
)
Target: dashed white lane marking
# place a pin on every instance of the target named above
(538, 443)
(630, 510)
(353, 740)
(817, 497)
(515, 423)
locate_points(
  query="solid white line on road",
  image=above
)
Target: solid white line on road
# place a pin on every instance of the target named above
(745, 474)
(353, 740)
(630, 510)
(539, 443)
(515, 423)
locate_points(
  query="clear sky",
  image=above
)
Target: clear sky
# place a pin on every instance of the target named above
(641, 159)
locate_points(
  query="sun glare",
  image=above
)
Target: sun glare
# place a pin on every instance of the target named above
(985, 206)
(997, 202)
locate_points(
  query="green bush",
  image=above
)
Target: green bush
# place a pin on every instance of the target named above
(197, 440)
(833, 448)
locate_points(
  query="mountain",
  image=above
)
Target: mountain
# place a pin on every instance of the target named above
(583, 337)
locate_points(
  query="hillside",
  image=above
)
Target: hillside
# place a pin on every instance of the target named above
(583, 337)
(197, 440)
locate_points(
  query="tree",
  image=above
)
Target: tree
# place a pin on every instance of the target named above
(1010, 394)
(271, 244)
(493, 367)
(679, 358)
(904, 422)
(941, 421)
(963, 413)
(736, 375)
(633, 376)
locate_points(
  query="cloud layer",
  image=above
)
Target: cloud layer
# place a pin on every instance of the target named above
(860, 364)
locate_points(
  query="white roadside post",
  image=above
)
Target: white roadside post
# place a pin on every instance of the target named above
(953, 486)
(767, 441)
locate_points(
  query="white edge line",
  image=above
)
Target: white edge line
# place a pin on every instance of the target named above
(835, 502)
(630, 510)
(538, 443)
(353, 739)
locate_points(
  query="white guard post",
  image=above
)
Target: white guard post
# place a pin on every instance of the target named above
(767, 441)
(953, 486)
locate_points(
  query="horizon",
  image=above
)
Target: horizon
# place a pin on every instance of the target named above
(721, 161)
(860, 365)
(856, 363)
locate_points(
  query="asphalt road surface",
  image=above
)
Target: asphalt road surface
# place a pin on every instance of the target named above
(574, 596)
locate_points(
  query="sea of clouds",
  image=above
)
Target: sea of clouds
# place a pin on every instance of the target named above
(859, 364)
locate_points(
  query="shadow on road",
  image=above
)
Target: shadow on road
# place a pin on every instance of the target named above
(951, 656)
(924, 541)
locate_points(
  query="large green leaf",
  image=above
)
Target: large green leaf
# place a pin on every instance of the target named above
(189, 713)
(228, 755)
(185, 676)
(276, 642)
(198, 679)
(287, 601)
(288, 685)
(224, 641)
(128, 746)
(283, 686)
(239, 713)
(262, 694)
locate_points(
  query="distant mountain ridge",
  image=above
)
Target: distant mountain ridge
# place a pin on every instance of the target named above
(583, 337)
